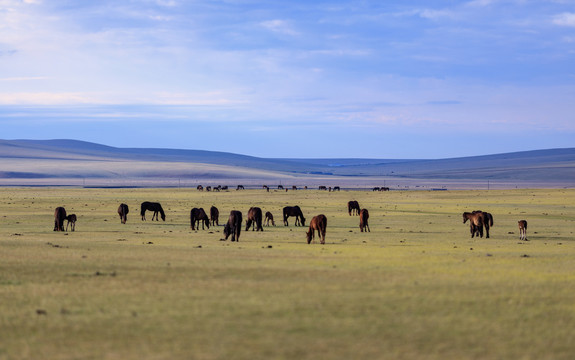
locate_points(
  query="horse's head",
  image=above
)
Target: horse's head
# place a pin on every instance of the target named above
(308, 235)
(302, 221)
(465, 217)
(163, 217)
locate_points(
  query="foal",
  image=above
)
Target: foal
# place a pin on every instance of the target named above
(522, 229)
(71, 219)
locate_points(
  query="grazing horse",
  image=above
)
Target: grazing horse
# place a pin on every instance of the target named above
(363, 217)
(353, 207)
(487, 221)
(152, 206)
(234, 225)
(123, 211)
(59, 217)
(267, 188)
(336, 188)
(240, 187)
(71, 219)
(215, 216)
(322, 187)
(318, 223)
(200, 188)
(269, 217)
(197, 215)
(293, 211)
(522, 229)
(254, 219)
(475, 223)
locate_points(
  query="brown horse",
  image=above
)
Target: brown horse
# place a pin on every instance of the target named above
(254, 219)
(197, 215)
(152, 206)
(59, 217)
(353, 208)
(269, 217)
(522, 229)
(215, 216)
(234, 225)
(475, 223)
(293, 211)
(363, 217)
(123, 211)
(487, 221)
(71, 219)
(318, 223)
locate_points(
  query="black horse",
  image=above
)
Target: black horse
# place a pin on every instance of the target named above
(59, 217)
(353, 207)
(123, 211)
(152, 206)
(234, 225)
(293, 211)
(197, 215)
(254, 219)
(215, 216)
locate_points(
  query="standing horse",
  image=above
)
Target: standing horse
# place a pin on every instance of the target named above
(487, 221)
(475, 223)
(59, 217)
(215, 216)
(318, 223)
(363, 217)
(234, 225)
(353, 207)
(293, 211)
(254, 219)
(197, 215)
(269, 217)
(71, 219)
(152, 206)
(522, 229)
(123, 211)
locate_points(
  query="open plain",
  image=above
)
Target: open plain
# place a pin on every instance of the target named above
(416, 287)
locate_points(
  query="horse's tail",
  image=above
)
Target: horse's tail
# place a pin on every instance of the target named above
(490, 219)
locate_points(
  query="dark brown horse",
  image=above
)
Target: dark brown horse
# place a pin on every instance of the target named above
(215, 216)
(71, 219)
(234, 225)
(522, 229)
(269, 217)
(353, 207)
(59, 217)
(487, 221)
(197, 215)
(152, 206)
(293, 211)
(254, 219)
(475, 223)
(363, 217)
(318, 223)
(200, 188)
(123, 211)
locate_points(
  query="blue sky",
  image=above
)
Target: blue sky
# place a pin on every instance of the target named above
(377, 79)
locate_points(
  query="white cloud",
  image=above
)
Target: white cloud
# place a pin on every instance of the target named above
(564, 19)
(279, 26)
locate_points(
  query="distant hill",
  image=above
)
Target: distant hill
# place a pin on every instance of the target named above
(52, 159)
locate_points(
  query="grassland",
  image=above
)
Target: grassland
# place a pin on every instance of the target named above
(415, 287)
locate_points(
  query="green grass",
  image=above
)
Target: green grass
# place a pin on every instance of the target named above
(415, 287)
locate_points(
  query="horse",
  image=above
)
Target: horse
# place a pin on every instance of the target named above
(269, 217)
(71, 219)
(336, 188)
(487, 221)
(234, 225)
(123, 211)
(294, 187)
(59, 217)
(353, 207)
(254, 219)
(293, 211)
(363, 217)
(215, 216)
(197, 215)
(522, 229)
(322, 187)
(280, 187)
(267, 188)
(152, 206)
(475, 223)
(200, 188)
(240, 187)
(318, 223)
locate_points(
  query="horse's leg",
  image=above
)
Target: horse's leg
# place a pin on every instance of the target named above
(487, 230)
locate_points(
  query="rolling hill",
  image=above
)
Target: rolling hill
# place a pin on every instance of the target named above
(72, 159)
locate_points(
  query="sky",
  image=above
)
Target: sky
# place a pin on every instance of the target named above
(325, 78)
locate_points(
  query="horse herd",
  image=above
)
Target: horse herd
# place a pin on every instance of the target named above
(478, 220)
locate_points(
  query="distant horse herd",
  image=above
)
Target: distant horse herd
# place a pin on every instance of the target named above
(479, 221)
